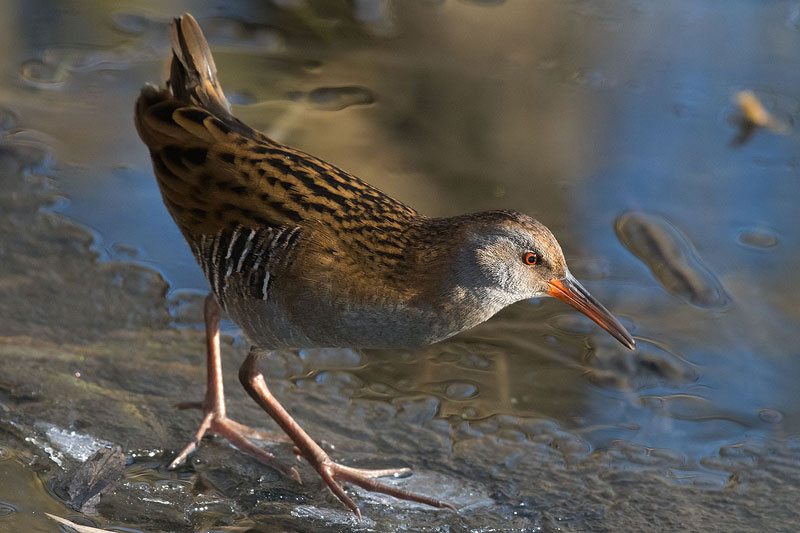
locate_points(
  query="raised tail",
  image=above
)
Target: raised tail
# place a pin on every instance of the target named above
(193, 74)
(192, 87)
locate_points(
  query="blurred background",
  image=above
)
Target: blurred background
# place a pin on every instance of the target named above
(613, 122)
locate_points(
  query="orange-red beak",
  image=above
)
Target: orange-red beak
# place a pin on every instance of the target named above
(569, 291)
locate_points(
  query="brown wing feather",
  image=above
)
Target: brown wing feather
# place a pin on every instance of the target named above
(215, 172)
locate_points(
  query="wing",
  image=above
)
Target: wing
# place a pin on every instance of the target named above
(223, 181)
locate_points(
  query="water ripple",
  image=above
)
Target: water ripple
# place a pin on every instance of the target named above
(758, 238)
(338, 98)
(6, 509)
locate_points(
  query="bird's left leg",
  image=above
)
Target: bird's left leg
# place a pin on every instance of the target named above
(331, 472)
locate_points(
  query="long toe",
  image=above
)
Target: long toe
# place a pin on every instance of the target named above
(373, 473)
(367, 481)
(238, 435)
(332, 473)
(232, 431)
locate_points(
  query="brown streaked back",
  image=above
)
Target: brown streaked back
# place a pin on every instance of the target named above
(216, 173)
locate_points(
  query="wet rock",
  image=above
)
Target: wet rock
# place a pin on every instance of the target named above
(671, 259)
(159, 506)
(78, 446)
(84, 486)
(99, 299)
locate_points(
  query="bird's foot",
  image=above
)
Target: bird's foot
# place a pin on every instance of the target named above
(238, 435)
(333, 473)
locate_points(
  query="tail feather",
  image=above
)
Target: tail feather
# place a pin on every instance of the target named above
(193, 74)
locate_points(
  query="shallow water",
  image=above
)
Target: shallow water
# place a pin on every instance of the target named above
(612, 122)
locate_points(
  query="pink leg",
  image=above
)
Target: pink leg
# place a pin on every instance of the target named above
(253, 381)
(213, 406)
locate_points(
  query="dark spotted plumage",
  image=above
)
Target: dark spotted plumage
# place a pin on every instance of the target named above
(357, 248)
(302, 254)
(217, 173)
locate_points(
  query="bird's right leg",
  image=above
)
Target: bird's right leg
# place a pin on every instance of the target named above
(214, 418)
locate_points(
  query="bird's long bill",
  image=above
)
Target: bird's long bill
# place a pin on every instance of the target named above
(569, 291)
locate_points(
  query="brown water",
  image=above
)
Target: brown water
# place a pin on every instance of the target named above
(609, 121)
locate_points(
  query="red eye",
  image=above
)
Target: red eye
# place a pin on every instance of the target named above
(530, 258)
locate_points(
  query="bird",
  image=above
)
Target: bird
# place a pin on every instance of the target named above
(302, 254)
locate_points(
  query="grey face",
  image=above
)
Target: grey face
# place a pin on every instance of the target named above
(518, 258)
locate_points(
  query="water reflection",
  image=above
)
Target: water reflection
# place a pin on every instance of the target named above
(669, 155)
(671, 259)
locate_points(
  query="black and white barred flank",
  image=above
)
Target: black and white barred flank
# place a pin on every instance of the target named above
(247, 254)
